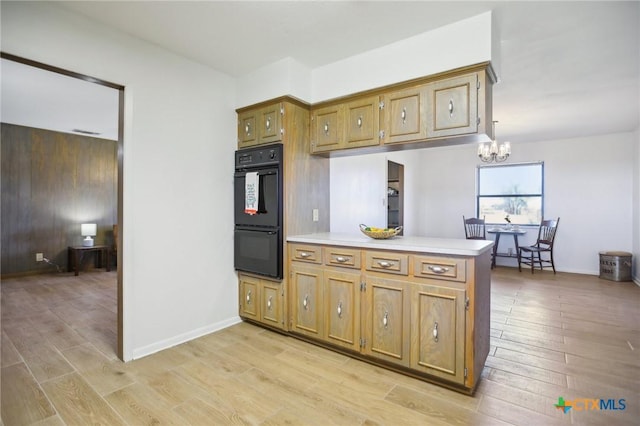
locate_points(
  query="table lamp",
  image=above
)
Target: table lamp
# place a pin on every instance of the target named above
(88, 230)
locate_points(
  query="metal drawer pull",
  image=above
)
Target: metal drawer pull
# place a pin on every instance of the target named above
(385, 264)
(385, 319)
(435, 331)
(268, 123)
(360, 121)
(339, 309)
(269, 302)
(438, 269)
(341, 259)
(304, 254)
(249, 297)
(305, 302)
(403, 115)
(451, 107)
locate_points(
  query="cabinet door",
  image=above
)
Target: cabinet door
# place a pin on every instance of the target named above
(404, 116)
(437, 331)
(272, 312)
(270, 124)
(249, 297)
(247, 131)
(342, 308)
(363, 119)
(307, 301)
(386, 320)
(453, 106)
(327, 131)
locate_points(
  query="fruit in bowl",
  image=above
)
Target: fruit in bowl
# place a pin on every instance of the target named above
(379, 233)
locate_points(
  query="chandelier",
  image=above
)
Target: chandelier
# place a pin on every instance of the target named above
(489, 152)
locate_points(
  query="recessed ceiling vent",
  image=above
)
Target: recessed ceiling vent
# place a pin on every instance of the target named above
(85, 132)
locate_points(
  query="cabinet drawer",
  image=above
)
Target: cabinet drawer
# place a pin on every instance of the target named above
(341, 256)
(441, 268)
(390, 263)
(304, 253)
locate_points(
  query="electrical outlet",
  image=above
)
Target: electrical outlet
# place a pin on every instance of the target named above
(39, 257)
(316, 215)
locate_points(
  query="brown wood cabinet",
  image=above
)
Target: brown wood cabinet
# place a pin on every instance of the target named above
(404, 115)
(262, 300)
(346, 125)
(446, 108)
(386, 319)
(452, 106)
(262, 125)
(415, 311)
(306, 188)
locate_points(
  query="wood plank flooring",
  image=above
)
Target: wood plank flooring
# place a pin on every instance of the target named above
(564, 335)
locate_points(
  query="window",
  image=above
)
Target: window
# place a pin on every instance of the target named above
(515, 190)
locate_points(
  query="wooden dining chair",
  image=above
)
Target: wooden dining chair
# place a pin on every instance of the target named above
(474, 228)
(540, 253)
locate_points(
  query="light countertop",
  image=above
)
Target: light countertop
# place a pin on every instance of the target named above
(460, 247)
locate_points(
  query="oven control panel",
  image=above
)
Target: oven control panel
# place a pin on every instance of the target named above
(259, 156)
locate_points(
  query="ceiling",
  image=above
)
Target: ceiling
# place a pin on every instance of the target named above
(568, 69)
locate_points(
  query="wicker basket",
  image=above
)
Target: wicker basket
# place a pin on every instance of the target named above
(380, 235)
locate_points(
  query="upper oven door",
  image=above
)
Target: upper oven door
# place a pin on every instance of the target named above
(269, 201)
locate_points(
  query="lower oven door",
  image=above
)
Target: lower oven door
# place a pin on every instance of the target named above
(258, 251)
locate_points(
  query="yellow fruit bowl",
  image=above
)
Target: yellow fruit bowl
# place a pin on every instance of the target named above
(380, 233)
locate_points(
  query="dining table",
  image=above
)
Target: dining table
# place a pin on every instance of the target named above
(498, 231)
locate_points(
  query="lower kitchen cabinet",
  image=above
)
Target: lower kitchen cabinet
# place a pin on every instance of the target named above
(410, 311)
(438, 331)
(385, 318)
(262, 300)
(306, 302)
(342, 308)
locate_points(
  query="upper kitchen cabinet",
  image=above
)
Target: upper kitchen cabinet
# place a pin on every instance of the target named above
(452, 106)
(345, 125)
(270, 122)
(403, 115)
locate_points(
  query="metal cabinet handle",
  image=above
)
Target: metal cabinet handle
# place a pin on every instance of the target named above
(341, 259)
(403, 115)
(451, 107)
(438, 269)
(249, 297)
(305, 302)
(359, 121)
(385, 264)
(247, 129)
(435, 331)
(326, 128)
(339, 309)
(268, 123)
(385, 319)
(304, 254)
(269, 302)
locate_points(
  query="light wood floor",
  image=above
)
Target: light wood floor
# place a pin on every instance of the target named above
(565, 335)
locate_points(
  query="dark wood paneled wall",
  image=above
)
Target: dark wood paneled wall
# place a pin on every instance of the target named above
(51, 183)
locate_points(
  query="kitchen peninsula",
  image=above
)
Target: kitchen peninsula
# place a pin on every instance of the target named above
(414, 304)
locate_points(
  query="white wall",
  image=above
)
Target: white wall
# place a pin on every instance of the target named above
(588, 187)
(456, 45)
(178, 150)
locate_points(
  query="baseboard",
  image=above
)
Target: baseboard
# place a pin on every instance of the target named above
(176, 340)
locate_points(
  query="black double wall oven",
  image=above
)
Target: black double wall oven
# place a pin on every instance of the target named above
(258, 210)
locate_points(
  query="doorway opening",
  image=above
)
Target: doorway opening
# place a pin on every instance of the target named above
(119, 173)
(395, 195)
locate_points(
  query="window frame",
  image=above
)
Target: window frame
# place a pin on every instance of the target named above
(541, 194)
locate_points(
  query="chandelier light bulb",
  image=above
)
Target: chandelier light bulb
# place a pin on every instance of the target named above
(494, 152)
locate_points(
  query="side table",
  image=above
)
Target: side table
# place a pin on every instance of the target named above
(76, 253)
